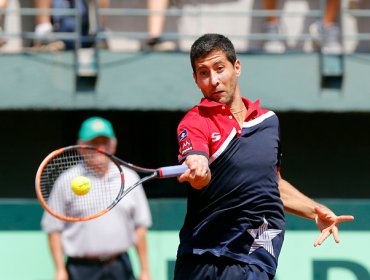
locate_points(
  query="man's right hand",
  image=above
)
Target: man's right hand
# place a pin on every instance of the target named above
(198, 174)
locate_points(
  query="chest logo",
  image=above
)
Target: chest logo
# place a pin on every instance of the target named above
(215, 136)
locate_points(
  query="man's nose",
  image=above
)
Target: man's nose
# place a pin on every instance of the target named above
(214, 78)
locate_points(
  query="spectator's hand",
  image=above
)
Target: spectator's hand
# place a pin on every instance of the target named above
(144, 275)
(198, 174)
(328, 224)
(61, 274)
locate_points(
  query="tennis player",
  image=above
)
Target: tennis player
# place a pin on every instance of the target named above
(234, 226)
(97, 249)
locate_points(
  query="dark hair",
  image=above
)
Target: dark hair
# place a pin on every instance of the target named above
(210, 42)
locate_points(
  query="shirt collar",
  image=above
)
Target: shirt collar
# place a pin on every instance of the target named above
(251, 106)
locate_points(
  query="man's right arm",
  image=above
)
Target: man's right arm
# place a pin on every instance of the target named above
(57, 253)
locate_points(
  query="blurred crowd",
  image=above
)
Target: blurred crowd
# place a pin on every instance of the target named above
(325, 30)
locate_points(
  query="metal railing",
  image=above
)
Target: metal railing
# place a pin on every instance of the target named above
(357, 14)
(32, 12)
(176, 12)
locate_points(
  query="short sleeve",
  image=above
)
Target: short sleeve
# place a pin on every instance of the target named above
(193, 136)
(51, 224)
(140, 214)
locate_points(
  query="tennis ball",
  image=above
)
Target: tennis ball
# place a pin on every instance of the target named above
(81, 185)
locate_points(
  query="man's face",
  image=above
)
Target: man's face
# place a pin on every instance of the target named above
(217, 77)
(99, 162)
(103, 143)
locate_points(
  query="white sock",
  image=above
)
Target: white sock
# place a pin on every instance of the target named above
(43, 28)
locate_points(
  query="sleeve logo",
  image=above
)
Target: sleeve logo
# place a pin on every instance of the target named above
(183, 135)
(185, 146)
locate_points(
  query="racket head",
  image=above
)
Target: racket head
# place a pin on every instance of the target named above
(54, 177)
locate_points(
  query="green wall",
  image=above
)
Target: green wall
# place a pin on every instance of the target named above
(163, 81)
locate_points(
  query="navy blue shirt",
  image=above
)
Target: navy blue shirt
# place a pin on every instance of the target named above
(239, 215)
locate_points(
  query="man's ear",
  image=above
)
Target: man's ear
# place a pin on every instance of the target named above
(238, 67)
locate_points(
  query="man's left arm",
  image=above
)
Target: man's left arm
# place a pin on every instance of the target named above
(142, 252)
(299, 204)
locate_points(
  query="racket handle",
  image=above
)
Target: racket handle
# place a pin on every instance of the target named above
(172, 171)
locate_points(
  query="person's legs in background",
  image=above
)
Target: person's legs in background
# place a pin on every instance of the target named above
(274, 44)
(331, 12)
(103, 4)
(328, 29)
(43, 21)
(3, 5)
(101, 25)
(271, 5)
(331, 30)
(156, 21)
(43, 27)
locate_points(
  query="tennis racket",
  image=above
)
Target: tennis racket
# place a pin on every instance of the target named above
(101, 175)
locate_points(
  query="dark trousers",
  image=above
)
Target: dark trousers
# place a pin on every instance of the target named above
(86, 269)
(209, 267)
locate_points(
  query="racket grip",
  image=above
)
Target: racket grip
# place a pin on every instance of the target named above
(172, 171)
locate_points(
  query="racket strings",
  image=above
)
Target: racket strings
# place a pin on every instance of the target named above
(103, 176)
(55, 168)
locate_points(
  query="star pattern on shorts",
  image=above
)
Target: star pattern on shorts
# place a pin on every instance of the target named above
(263, 237)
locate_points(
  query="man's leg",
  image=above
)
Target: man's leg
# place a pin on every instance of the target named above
(273, 28)
(43, 21)
(156, 21)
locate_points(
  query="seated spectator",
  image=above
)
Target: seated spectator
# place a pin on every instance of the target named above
(326, 28)
(156, 20)
(3, 5)
(46, 24)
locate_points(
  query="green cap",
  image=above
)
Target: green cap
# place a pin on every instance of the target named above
(94, 127)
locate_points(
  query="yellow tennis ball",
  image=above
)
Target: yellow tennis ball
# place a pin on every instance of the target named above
(81, 185)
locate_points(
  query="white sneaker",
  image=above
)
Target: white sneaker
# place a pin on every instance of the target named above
(46, 45)
(43, 29)
(329, 42)
(274, 44)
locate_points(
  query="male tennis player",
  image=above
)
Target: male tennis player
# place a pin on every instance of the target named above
(234, 226)
(97, 249)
